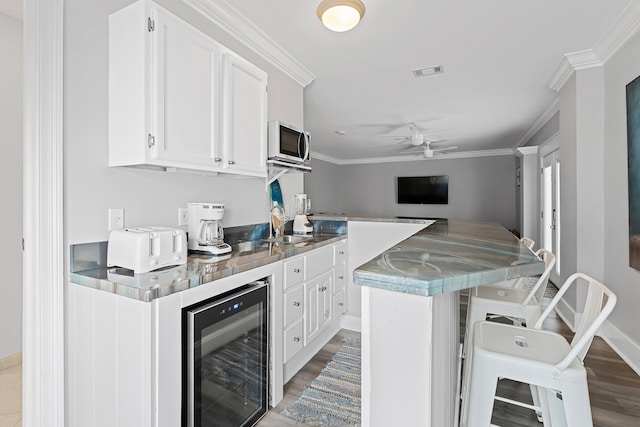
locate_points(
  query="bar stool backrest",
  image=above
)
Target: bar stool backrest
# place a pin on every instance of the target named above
(593, 316)
(530, 243)
(541, 285)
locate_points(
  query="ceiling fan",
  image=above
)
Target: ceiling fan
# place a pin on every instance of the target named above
(419, 139)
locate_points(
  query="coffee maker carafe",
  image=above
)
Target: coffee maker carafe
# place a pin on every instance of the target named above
(301, 224)
(205, 230)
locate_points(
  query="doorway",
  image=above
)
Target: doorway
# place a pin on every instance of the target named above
(550, 208)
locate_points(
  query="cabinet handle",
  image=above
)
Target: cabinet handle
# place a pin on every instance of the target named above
(340, 277)
(217, 159)
(232, 162)
(296, 339)
(296, 270)
(322, 289)
(341, 252)
(296, 304)
(340, 304)
(151, 140)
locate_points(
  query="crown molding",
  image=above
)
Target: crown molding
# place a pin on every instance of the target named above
(524, 151)
(414, 158)
(540, 121)
(572, 62)
(319, 156)
(233, 22)
(623, 29)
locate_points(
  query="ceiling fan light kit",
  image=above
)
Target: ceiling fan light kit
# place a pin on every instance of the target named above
(340, 15)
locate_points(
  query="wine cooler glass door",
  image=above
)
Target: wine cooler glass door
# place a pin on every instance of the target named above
(227, 359)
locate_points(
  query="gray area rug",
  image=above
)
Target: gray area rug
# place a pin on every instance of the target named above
(333, 398)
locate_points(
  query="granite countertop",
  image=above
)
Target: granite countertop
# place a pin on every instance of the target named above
(198, 270)
(448, 256)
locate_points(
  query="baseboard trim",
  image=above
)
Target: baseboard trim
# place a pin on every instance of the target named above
(351, 323)
(11, 360)
(624, 346)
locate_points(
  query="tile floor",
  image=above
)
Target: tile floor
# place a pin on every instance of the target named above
(11, 391)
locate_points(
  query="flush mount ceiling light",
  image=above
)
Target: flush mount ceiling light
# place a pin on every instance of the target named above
(340, 15)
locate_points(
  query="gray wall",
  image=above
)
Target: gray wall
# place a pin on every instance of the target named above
(11, 185)
(148, 197)
(481, 188)
(624, 280)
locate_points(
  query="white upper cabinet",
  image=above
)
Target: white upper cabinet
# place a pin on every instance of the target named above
(179, 99)
(187, 65)
(244, 115)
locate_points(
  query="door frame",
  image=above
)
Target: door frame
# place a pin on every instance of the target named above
(43, 374)
(551, 145)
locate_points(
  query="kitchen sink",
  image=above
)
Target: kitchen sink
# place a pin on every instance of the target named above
(289, 239)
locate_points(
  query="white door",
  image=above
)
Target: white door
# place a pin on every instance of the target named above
(244, 116)
(550, 215)
(186, 90)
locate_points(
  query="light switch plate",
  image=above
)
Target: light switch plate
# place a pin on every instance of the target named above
(116, 219)
(182, 216)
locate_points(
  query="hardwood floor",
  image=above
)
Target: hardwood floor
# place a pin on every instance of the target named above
(614, 388)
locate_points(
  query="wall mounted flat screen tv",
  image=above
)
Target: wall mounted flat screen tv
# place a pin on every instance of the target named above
(417, 190)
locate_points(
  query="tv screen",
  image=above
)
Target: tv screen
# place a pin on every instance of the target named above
(433, 190)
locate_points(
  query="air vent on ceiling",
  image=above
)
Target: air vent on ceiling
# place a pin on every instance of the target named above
(427, 71)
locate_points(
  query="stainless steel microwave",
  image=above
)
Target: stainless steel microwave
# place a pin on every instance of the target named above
(287, 143)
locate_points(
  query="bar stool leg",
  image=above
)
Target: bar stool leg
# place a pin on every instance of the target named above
(577, 408)
(481, 392)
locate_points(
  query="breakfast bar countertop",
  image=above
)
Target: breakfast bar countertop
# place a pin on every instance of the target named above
(449, 256)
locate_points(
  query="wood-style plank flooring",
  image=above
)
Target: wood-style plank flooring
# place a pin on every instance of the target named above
(614, 388)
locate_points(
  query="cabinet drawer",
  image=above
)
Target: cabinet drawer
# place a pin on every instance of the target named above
(339, 304)
(318, 262)
(293, 272)
(339, 252)
(292, 340)
(341, 278)
(293, 307)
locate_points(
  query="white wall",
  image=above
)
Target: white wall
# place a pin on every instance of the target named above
(11, 184)
(624, 280)
(148, 197)
(481, 189)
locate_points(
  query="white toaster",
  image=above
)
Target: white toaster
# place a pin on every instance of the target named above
(145, 249)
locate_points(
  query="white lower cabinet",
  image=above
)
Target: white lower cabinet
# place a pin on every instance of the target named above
(339, 304)
(319, 277)
(293, 339)
(317, 304)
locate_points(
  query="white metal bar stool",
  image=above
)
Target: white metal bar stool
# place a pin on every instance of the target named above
(540, 358)
(512, 303)
(517, 304)
(530, 243)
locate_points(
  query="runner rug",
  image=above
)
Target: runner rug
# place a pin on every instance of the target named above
(333, 398)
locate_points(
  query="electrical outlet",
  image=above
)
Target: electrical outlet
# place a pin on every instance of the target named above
(182, 216)
(116, 219)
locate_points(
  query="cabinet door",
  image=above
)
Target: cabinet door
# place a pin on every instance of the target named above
(317, 306)
(244, 116)
(325, 301)
(187, 64)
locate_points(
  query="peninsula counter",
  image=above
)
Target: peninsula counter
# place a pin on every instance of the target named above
(410, 317)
